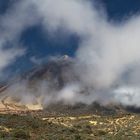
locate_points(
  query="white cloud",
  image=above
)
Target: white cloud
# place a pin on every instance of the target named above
(106, 50)
(12, 23)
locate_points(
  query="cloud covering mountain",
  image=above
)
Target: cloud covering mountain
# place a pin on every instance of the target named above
(107, 59)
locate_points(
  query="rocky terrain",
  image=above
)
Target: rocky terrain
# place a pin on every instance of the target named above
(39, 125)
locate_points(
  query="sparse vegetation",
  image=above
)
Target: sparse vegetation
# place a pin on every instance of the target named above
(34, 126)
(21, 134)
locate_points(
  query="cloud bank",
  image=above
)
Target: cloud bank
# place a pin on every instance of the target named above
(107, 59)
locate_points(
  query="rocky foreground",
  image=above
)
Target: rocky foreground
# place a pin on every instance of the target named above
(38, 126)
(52, 125)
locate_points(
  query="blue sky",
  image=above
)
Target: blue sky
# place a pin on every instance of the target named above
(119, 9)
(39, 44)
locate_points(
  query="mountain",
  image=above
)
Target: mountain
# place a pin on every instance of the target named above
(58, 73)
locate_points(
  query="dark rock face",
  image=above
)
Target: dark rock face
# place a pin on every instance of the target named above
(133, 109)
(81, 109)
(2, 88)
(57, 73)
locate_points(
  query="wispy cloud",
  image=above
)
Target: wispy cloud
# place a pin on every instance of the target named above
(12, 23)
